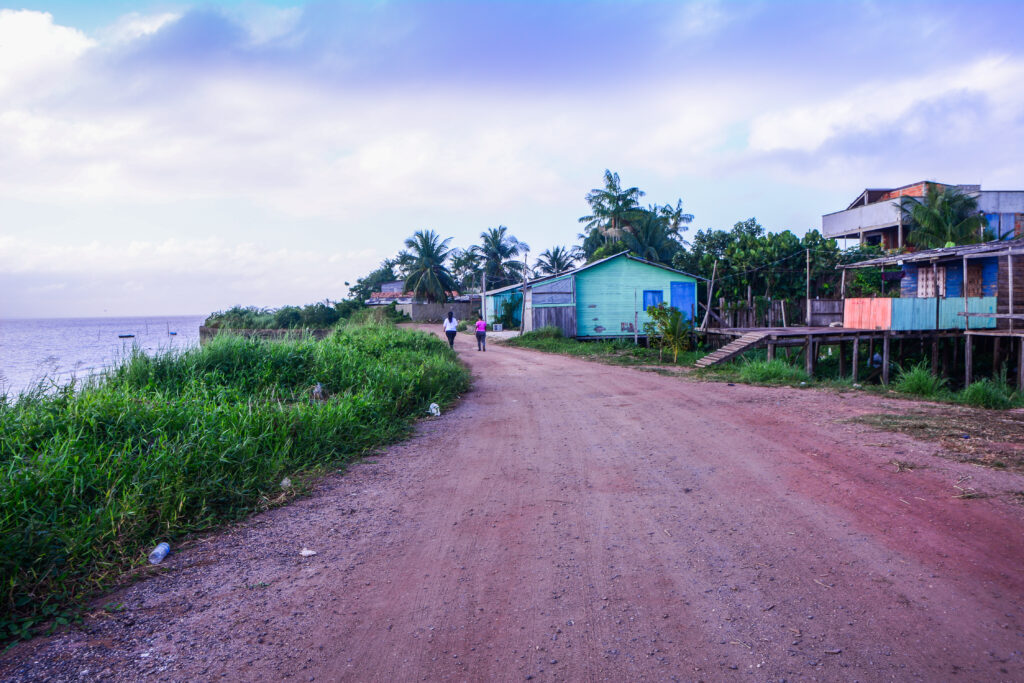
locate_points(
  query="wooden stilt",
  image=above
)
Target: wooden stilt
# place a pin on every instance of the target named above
(968, 370)
(842, 356)
(885, 358)
(771, 352)
(1020, 366)
(855, 359)
(809, 356)
(935, 355)
(997, 356)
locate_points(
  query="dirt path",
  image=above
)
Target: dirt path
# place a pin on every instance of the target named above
(577, 521)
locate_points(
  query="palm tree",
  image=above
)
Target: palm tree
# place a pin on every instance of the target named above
(428, 277)
(944, 217)
(613, 209)
(498, 250)
(556, 260)
(650, 238)
(465, 267)
(676, 221)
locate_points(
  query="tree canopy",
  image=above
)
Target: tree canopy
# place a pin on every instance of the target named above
(944, 217)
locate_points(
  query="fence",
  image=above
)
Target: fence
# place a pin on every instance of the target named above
(776, 313)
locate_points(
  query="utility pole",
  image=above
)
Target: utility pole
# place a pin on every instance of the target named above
(483, 296)
(808, 322)
(526, 270)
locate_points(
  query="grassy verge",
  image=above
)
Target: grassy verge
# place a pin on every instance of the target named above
(612, 352)
(183, 442)
(979, 436)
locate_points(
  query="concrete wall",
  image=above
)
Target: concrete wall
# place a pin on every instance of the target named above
(430, 313)
(870, 217)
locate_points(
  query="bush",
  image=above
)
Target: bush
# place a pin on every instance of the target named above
(918, 380)
(462, 326)
(775, 371)
(184, 441)
(987, 393)
(321, 315)
(549, 332)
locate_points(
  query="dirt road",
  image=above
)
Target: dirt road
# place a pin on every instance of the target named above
(575, 521)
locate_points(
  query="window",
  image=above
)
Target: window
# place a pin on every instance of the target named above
(926, 285)
(652, 297)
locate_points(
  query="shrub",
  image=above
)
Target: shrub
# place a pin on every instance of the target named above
(775, 371)
(918, 380)
(987, 393)
(183, 441)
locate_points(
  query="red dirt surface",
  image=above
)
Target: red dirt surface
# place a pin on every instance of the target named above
(577, 521)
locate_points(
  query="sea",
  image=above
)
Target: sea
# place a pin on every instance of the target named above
(53, 351)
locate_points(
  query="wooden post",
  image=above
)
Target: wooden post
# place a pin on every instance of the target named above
(526, 269)
(968, 360)
(967, 319)
(996, 356)
(771, 352)
(842, 285)
(1009, 274)
(808, 321)
(842, 357)
(935, 355)
(885, 358)
(809, 356)
(856, 358)
(1020, 366)
(711, 289)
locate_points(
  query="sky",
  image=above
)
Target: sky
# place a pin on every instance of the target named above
(161, 158)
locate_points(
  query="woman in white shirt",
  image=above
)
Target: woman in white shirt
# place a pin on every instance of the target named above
(450, 326)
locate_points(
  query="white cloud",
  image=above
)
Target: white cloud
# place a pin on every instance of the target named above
(134, 26)
(885, 102)
(34, 50)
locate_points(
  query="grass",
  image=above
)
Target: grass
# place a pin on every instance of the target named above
(775, 371)
(614, 352)
(917, 380)
(183, 442)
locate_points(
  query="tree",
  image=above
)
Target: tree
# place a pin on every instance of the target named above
(612, 209)
(556, 260)
(466, 268)
(428, 277)
(944, 217)
(650, 237)
(498, 250)
(365, 286)
(676, 222)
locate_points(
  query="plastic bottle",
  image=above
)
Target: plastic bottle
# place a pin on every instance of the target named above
(159, 553)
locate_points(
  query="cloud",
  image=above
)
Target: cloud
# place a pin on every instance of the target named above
(33, 50)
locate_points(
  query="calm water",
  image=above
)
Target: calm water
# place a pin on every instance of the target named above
(59, 349)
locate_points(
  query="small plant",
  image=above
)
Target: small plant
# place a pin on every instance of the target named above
(775, 371)
(918, 380)
(987, 393)
(668, 330)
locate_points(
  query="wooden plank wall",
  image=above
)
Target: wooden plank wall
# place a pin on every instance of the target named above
(1003, 291)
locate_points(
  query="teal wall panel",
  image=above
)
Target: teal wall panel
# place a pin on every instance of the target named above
(609, 294)
(950, 309)
(913, 314)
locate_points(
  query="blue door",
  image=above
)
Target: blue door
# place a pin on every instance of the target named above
(684, 297)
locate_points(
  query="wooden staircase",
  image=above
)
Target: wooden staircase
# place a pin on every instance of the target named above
(750, 340)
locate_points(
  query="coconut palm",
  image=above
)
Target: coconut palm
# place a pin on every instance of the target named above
(556, 260)
(466, 268)
(676, 221)
(428, 277)
(613, 209)
(943, 217)
(650, 238)
(498, 250)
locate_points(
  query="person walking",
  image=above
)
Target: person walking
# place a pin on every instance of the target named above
(451, 325)
(481, 334)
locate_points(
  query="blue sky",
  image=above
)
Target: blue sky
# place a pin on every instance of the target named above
(174, 157)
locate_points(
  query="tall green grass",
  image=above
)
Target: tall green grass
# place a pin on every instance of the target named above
(90, 479)
(775, 371)
(918, 380)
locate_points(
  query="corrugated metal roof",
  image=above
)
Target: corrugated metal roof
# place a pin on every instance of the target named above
(942, 253)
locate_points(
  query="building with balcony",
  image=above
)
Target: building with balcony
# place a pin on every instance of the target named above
(874, 217)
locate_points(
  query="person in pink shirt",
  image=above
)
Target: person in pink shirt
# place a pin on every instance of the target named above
(481, 334)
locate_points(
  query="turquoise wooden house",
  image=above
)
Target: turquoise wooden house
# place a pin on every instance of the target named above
(605, 299)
